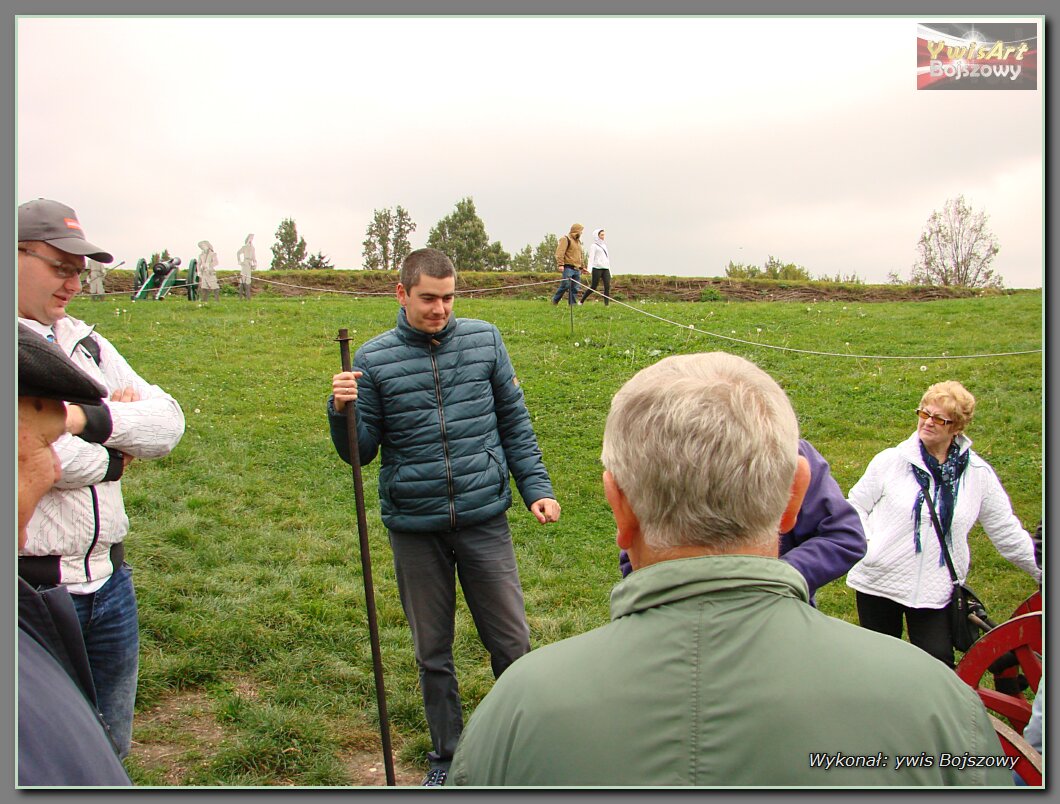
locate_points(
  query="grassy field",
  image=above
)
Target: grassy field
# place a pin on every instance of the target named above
(255, 658)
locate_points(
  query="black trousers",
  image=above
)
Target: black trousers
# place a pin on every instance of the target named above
(929, 629)
(598, 274)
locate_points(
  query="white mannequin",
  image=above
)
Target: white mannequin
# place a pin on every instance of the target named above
(207, 266)
(247, 263)
(96, 272)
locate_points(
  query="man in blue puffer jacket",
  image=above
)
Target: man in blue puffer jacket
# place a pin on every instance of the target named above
(438, 396)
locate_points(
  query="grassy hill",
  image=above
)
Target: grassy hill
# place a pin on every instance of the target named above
(255, 661)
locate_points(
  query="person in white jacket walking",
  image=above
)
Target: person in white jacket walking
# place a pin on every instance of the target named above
(76, 535)
(903, 573)
(600, 262)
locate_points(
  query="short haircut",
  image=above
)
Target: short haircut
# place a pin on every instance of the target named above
(704, 446)
(429, 261)
(955, 398)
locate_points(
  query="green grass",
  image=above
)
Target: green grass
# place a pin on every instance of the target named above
(244, 540)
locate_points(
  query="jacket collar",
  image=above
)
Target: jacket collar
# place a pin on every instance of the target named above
(910, 448)
(67, 330)
(673, 581)
(410, 334)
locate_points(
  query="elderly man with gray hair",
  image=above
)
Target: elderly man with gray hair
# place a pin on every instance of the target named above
(714, 670)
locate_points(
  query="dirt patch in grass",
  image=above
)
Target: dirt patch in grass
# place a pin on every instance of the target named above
(178, 735)
(366, 770)
(181, 735)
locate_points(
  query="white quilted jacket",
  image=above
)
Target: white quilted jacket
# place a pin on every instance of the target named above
(884, 500)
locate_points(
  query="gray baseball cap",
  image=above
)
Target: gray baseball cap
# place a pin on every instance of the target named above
(57, 225)
(45, 371)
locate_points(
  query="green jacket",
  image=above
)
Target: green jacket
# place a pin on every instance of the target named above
(714, 671)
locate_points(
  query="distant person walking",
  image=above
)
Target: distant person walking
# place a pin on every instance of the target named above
(600, 263)
(571, 261)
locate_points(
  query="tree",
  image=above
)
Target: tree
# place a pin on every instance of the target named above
(497, 259)
(777, 269)
(386, 242)
(545, 254)
(376, 242)
(399, 240)
(773, 269)
(289, 250)
(522, 259)
(737, 270)
(462, 236)
(318, 262)
(157, 258)
(956, 248)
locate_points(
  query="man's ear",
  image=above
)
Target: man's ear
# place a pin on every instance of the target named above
(625, 519)
(402, 294)
(799, 485)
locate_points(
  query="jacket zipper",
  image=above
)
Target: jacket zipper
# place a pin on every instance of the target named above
(445, 438)
(95, 532)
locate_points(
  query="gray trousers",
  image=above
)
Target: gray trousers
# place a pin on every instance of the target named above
(484, 559)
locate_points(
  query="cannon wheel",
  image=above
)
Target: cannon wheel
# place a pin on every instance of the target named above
(1022, 636)
(141, 279)
(1032, 603)
(191, 284)
(1028, 761)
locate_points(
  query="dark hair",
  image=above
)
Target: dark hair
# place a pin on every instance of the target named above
(429, 261)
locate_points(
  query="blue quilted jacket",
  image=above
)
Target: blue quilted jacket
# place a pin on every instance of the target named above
(448, 415)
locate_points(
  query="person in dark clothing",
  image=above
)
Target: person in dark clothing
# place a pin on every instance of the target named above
(62, 738)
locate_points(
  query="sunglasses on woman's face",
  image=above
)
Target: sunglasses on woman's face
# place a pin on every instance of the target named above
(924, 415)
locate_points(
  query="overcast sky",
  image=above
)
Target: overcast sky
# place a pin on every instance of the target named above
(693, 141)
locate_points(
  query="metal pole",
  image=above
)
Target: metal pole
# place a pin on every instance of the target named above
(366, 568)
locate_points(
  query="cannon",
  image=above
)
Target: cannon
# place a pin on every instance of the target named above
(163, 277)
(1011, 652)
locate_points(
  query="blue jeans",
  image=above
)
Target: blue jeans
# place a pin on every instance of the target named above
(567, 285)
(112, 637)
(484, 558)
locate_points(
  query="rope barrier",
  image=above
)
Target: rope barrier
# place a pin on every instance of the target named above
(687, 327)
(694, 328)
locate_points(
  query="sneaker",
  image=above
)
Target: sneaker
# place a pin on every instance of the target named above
(555, 301)
(436, 778)
(580, 302)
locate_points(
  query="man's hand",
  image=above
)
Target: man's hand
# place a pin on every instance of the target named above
(75, 420)
(546, 510)
(344, 387)
(126, 394)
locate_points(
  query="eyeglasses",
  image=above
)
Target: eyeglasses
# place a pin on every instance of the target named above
(924, 416)
(65, 270)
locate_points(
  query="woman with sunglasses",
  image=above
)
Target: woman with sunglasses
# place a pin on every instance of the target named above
(903, 573)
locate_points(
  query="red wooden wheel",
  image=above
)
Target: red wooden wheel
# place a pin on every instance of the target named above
(1033, 603)
(1028, 761)
(1022, 636)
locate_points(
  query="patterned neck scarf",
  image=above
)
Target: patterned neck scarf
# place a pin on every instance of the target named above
(946, 476)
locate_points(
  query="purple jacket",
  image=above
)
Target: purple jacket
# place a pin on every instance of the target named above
(827, 539)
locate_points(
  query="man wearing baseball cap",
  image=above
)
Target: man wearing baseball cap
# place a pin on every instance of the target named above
(62, 739)
(75, 537)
